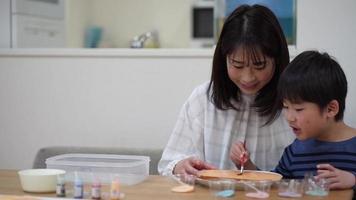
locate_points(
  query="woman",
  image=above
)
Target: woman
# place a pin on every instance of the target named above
(234, 107)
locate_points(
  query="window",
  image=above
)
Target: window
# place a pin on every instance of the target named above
(283, 9)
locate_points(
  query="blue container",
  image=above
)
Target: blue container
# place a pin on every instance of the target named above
(92, 37)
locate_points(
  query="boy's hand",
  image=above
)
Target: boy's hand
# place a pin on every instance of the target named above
(338, 179)
(191, 166)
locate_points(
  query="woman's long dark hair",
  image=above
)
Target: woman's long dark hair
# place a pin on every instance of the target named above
(254, 29)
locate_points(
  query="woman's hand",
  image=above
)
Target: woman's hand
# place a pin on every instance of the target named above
(191, 165)
(239, 155)
(337, 179)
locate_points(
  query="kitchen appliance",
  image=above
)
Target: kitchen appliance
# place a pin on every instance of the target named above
(202, 24)
(37, 23)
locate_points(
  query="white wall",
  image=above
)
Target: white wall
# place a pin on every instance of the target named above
(329, 25)
(112, 99)
(121, 20)
(77, 16)
(171, 18)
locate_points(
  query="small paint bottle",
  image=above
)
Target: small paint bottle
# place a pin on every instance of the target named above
(78, 187)
(115, 189)
(96, 189)
(60, 188)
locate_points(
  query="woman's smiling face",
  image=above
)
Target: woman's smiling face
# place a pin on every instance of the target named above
(250, 73)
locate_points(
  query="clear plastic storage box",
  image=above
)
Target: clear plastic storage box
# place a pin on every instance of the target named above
(128, 169)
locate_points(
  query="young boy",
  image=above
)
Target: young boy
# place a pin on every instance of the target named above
(312, 92)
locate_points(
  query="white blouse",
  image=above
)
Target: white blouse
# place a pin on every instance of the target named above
(205, 132)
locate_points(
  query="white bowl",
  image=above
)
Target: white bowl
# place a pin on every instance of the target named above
(39, 180)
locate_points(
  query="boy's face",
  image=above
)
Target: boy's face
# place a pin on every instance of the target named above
(306, 119)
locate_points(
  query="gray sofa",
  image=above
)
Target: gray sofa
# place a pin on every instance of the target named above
(46, 152)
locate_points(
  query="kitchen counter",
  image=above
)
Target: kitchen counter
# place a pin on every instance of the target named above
(119, 52)
(203, 53)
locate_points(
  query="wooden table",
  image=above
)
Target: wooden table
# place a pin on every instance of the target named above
(155, 187)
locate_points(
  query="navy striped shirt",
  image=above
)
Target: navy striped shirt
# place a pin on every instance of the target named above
(303, 156)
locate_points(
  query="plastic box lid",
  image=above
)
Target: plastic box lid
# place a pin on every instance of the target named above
(129, 169)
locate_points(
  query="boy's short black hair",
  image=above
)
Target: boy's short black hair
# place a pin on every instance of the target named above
(312, 77)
